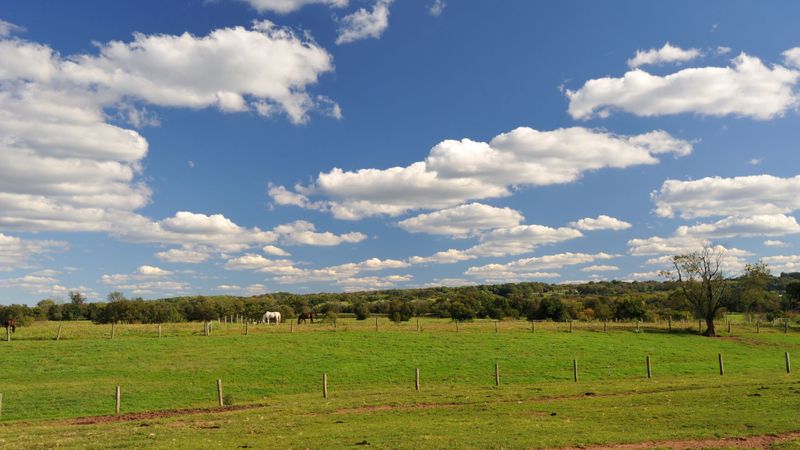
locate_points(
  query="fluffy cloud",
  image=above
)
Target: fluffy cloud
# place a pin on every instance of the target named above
(196, 231)
(602, 222)
(746, 88)
(143, 273)
(188, 255)
(656, 245)
(17, 253)
(63, 167)
(373, 283)
(532, 268)
(499, 242)
(287, 6)
(665, 54)
(792, 57)
(301, 232)
(43, 284)
(462, 221)
(202, 236)
(364, 24)
(758, 225)
(340, 273)
(783, 263)
(717, 196)
(456, 171)
(275, 251)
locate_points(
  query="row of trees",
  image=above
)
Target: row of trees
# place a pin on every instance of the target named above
(696, 288)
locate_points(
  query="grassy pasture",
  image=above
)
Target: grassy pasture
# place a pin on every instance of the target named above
(371, 382)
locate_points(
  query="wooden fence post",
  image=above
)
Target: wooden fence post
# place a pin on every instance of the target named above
(570, 326)
(219, 392)
(1, 404)
(575, 370)
(496, 374)
(721, 364)
(788, 364)
(291, 326)
(334, 324)
(729, 327)
(118, 401)
(324, 385)
(649, 370)
(533, 327)
(758, 326)
(495, 325)
(58, 335)
(113, 329)
(8, 334)
(418, 325)
(159, 330)
(376, 324)
(456, 326)
(416, 379)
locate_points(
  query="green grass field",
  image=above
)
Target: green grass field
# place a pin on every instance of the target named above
(273, 378)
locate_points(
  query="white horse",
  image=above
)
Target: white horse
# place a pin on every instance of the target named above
(269, 315)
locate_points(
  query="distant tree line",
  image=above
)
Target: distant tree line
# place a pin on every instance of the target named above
(755, 292)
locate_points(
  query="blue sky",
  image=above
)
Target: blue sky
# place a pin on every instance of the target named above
(250, 146)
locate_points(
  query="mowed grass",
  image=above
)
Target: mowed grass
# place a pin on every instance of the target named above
(459, 406)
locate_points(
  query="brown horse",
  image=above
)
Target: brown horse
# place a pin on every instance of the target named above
(10, 323)
(306, 315)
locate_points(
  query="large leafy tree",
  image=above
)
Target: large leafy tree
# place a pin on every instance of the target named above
(701, 280)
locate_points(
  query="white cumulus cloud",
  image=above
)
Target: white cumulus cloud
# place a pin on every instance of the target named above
(602, 222)
(457, 171)
(746, 88)
(288, 6)
(666, 54)
(744, 226)
(463, 220)
(718, 196)
(364, 23)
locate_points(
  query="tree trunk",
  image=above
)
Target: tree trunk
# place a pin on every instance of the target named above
(710, 330)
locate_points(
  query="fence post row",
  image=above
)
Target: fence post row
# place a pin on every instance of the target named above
(324, 385)
(575, 370)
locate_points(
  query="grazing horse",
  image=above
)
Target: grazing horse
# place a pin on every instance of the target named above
(306, 315)
(270, 315)
(10, 323)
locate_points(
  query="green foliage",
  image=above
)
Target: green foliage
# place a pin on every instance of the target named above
(361, 310)
(756, 292)
(399, 311)
(552, 308)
